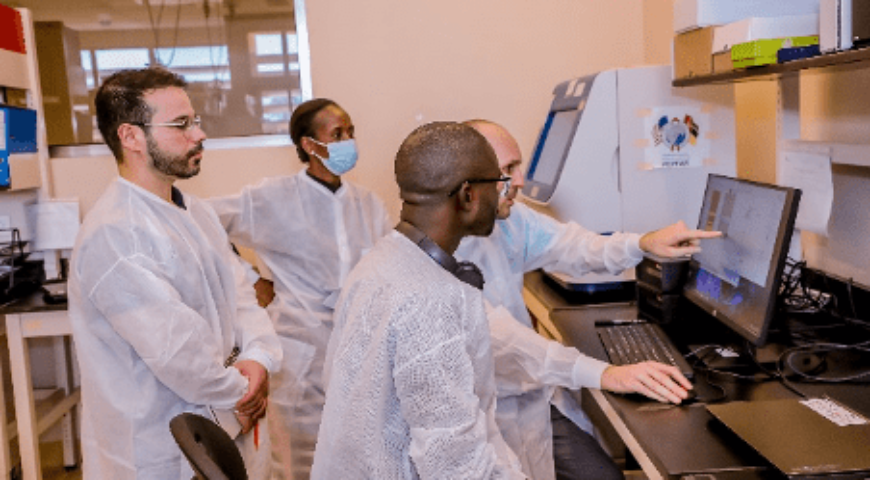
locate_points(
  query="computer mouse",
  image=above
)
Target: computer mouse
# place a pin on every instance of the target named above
(692, 398)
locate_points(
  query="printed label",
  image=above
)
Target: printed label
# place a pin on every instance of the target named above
(834, 412)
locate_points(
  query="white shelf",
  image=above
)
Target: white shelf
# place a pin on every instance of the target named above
(840, 153)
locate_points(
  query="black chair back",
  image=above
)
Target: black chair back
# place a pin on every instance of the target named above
(209, 449)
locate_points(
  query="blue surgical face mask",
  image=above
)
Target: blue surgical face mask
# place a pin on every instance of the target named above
(342, 156)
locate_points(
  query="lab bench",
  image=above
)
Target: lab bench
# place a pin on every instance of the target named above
(37, 410)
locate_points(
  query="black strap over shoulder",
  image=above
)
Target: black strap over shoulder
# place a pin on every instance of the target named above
(467, 272)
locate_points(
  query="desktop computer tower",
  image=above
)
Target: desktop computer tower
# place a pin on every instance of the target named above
(659, 286)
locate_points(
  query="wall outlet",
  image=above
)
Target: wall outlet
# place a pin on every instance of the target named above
(5, 224)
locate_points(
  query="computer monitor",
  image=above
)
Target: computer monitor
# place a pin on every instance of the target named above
(736, 278)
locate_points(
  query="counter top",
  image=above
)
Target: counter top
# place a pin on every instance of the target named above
(34, 302)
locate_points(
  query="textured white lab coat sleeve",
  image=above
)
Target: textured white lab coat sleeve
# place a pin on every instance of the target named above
(571, 249)
(578, 251)
(174, 341)
(435, 383)
(254, 331)
(236, 215)
(526, 361)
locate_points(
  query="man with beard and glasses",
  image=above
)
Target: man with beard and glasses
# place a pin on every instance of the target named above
(163, 316)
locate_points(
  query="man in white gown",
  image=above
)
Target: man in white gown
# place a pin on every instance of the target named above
(531, 372)
(410, 391)
(163, 317)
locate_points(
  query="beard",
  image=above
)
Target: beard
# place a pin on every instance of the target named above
(177, 166)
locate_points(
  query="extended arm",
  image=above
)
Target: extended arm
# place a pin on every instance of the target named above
(675, 240)
(526, 361)
(534, 241)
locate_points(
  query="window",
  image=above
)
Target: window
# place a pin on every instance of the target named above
(241, 59)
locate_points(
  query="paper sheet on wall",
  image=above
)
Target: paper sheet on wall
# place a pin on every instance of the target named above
(56, 224)
(810, 172)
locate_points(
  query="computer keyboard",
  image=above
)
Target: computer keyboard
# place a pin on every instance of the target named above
(628, 343)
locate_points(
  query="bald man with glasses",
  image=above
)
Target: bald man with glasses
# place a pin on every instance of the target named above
(542, 423)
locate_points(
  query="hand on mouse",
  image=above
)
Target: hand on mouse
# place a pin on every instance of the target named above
(657, 381)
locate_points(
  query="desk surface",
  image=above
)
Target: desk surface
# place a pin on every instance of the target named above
(31, 304)
(687, 440)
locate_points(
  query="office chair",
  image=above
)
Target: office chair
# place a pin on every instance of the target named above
(210, 451)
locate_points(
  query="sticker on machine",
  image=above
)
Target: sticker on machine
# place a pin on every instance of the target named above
(677, 137)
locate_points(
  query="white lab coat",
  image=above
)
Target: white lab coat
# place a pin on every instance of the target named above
(158, 300)
(410, 386)
(529, 368)
(309, 238)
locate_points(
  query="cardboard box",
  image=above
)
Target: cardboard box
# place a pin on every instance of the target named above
(759, 28)
(692, 14)
(693, 53)
(763, 52)
(722, 62)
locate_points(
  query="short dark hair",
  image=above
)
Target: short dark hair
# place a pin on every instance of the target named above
(437, 157)
(302, 122)
(120, 100)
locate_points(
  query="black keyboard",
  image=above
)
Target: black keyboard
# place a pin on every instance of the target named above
(629, 343)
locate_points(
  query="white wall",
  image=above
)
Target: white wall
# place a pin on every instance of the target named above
(396, 65)
(835, 107)
(224, 171)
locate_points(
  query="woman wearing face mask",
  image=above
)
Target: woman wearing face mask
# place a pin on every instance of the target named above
(309, 230)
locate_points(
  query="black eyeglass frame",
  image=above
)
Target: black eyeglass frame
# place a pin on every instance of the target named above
(504, 178)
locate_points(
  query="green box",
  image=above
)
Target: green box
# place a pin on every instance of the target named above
(763, 52)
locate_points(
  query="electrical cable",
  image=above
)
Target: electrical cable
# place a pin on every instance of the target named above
(825, 348)
(699, 364)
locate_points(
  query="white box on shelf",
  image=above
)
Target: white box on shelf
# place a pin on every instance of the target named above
(691, 14)
(835, 25)
(759, 28)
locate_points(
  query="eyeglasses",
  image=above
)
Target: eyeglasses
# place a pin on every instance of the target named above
(504, 190)
(185, 124)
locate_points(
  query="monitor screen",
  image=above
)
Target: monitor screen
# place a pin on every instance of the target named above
(552, 146)
(736, 278)
(550, 153)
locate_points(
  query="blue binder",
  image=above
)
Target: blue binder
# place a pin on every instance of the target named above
(17, 135)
